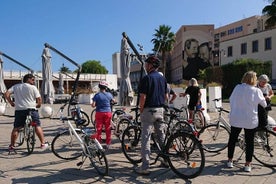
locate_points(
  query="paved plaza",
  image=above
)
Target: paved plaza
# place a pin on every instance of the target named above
(44, 167)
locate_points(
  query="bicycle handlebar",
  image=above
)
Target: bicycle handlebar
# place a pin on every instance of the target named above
(220, 109)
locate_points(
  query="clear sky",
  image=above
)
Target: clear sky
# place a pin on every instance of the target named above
(92, 29)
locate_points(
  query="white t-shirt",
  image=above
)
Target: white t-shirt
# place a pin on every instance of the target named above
(266, 89)
(25, 96)
(244, 102)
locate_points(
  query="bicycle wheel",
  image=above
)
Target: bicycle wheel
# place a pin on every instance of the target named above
(121, 126)
(185, 155)
(86, 117)
(181, 126)
(97, 158)
(92, 117)
(116, 114)
(131, 144)
(214, 137)
(20, 139)
(66, 146)
(199, 120)
(265, 147)
(30, 139)
(185, 113)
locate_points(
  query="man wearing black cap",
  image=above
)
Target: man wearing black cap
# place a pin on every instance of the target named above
(153, 94)
(26, 96)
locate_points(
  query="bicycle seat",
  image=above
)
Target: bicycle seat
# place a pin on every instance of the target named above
(80, 121)
(74, 102)
(32, 109)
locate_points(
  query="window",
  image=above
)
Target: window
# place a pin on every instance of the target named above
(231, 31)
(216, 36)
(222, 34)
(243, 48)
(255, 46)
(230, 51)
(238, 29)
(268, 43)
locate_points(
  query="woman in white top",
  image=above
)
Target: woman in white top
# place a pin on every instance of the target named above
(244, 102)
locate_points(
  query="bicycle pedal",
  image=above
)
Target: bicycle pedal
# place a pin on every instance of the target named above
(12, 152)
(79, 163)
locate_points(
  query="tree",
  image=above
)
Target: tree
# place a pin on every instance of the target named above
(270, 11)
(64, 69)
(93, 66)
(163, 43)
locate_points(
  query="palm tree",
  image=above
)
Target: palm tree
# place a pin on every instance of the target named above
(270, 10)
(163, 43)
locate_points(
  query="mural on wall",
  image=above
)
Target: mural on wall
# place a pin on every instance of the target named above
(197, 56)
(197, 45)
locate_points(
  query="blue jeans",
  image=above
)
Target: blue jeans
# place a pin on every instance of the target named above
(152, 119)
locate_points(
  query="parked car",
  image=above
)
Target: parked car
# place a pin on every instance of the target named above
(273, 84)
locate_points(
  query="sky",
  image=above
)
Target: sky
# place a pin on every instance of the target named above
(92, 29)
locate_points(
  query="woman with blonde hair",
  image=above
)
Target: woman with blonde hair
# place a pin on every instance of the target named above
(244, 102)
(193, 91)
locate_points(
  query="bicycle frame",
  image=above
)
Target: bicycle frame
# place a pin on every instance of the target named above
(80, 140)
(29, 132)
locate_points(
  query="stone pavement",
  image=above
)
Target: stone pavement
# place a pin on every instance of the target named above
(43, 167)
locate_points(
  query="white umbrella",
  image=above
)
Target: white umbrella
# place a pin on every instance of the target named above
(126, 92)
(3, 88)
(60, 84)
(47, 88)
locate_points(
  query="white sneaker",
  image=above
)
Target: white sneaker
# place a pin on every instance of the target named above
(44, 146)
(230, 164)
(247, 168)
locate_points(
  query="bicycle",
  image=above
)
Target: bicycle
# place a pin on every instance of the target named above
(73, 143)
(115, 116)
(198, 118)
(76, 113)
(27, 133)
(181, 149)
(127, 119)
(215, 138)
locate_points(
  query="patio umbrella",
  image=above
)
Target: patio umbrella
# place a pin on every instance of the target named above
(60, 84)
(126, 92)
(3, 88)
(47, 87)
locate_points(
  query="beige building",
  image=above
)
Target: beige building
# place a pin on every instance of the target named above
(247, 38)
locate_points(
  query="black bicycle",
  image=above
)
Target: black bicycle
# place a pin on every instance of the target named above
(27, 133)
(181, 149)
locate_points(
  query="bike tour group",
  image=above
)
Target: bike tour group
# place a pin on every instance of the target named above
(178, 141)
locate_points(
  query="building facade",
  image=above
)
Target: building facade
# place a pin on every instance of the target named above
(247, 38)
(87, 82)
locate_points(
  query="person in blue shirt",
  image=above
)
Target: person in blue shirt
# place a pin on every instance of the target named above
(102, 101)
(152, 96)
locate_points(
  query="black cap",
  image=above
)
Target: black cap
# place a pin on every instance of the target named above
(154, 61)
